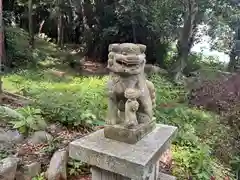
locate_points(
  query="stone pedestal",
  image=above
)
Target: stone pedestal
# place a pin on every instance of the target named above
(130, 136)
(114, 160)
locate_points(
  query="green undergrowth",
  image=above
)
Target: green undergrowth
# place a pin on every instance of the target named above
(69, 100)
(19, 55)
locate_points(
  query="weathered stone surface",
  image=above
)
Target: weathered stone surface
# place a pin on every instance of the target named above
(131, 96)
(131, 136)
(151, 69)
(32, 170)
(100, 174)
(128, 160)
(29, 171)
(12, 136)
(40, 137)
(163, 176)
(9, 139)
(58, 166)
(8, 167)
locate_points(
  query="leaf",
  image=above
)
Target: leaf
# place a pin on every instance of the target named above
(98, 123)
(31, 123)
(23, 129)
(89, 121)
(37, 111)
(8, 112)
(18, 124)
(41, 122)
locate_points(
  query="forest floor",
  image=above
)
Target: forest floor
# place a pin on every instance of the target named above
(74, 105)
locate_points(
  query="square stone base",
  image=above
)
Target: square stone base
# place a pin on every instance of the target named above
(130, 136)
(100, 174)
(133, 161)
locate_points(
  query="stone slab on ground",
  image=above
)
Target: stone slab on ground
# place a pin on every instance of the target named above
(128, 160)
(8, 168)
(130, 136)
(163, 176)
(28, 171)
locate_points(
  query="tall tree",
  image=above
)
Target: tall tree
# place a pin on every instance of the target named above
(185, 40)
(224, 30)
(30, 23)
(60, 39)
(1, 47)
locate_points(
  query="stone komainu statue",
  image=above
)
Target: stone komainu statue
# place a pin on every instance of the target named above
(131, 95)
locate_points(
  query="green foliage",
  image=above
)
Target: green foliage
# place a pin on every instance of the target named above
(77, 168)
(69, 100)
(192, 64)
(39, 177)
(236, 166)
(32, 120)
(16, 53)
(8, 113)
(74, 167)
(20, 55)
(192, 162)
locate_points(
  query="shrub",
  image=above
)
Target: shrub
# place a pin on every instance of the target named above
(199, 132)
(193, 63)
(18, 53)
(69, 100)
(31, 120)
(222, 96)
(194, 163)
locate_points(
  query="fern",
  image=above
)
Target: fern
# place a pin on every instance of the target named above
(6, 112)
(31, 120)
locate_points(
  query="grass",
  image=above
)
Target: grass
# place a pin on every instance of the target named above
(75, 100)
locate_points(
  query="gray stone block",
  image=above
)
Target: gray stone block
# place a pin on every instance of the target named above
(163, 176)
(130, 136)
(129, 160)
(8, 167)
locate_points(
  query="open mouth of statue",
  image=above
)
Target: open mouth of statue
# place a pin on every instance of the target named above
(128, 63)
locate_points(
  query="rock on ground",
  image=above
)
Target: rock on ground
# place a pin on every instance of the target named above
(40, 137)
(29, 171)
(10, 136)
(8, 167)
(58, 166)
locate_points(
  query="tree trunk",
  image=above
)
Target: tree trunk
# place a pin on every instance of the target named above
(1, 48)
(134, 32)
(60, 31)
(232, 62)
(186, 40)
(41, 27)
(30, 24)
(87, 35)
(60, 40)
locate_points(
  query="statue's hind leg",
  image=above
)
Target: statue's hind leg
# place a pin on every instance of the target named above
(112, 113)
(145, 113)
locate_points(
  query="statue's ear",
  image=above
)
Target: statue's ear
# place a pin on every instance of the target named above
(114, 48)
(111, 55)
(142, 48)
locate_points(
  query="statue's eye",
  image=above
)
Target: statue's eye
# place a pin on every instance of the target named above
(119, 62)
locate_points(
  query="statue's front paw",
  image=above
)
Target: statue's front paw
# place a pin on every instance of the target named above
(131, 125)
